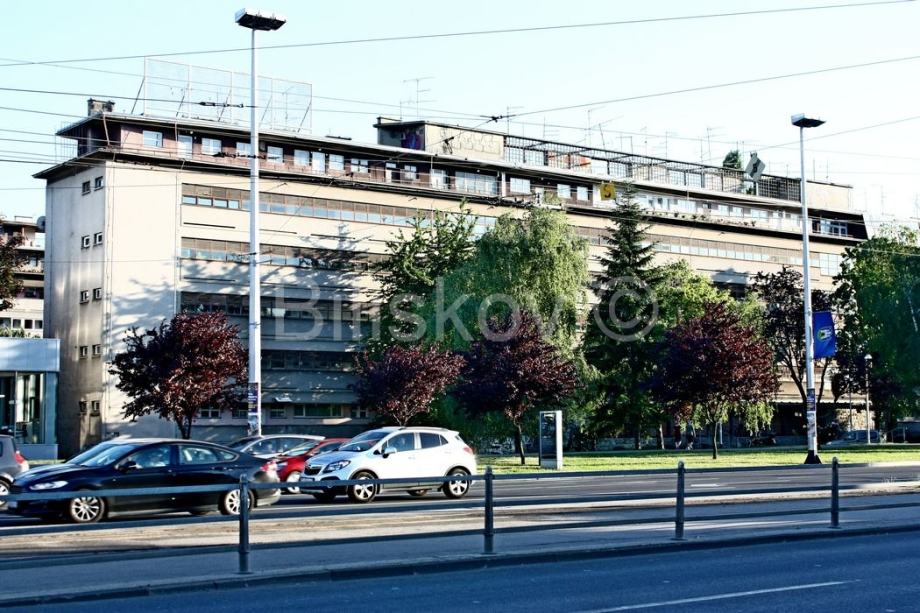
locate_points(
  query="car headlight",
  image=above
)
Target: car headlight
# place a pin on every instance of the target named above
(48, 485)
(331, 468)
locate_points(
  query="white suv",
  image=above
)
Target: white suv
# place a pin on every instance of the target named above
(393, 453)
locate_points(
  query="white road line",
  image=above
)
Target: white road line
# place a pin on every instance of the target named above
(651, 605)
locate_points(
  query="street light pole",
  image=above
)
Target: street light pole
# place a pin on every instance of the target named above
(802, 122)
(868, 361)
(255, 20)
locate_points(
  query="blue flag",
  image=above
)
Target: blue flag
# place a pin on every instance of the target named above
(825, 337)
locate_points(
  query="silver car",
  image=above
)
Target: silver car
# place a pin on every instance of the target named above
(270, 446)
(11, 465)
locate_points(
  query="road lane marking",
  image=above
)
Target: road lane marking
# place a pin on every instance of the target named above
(667, 603)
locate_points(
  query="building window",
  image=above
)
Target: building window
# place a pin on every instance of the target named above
(520, 186)
(359, 166)
(301, 157)
(96, 407)
(38, 324)
(153, 139)
(358, 413)
(316, 410)
(97, 293)
(239, 414)
(83, 407)
(84, 296)
(336, 162)
(184, 146)
(275, 154)
(210, 146)
(85, 241)
(97, 351)
(410, 173)
(212, 413)
(97, 238)
(485, 185)
(98, 183)
(278, 413)
(564, 191)
(244, 150)
(319, 161)
(84, 351)
(86, 188)
(581, 193)
(438, 178)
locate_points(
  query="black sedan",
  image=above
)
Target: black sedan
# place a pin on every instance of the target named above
(145, 463)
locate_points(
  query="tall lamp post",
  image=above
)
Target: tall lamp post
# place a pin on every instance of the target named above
(802, 122)
(266, 22)
(868, 361)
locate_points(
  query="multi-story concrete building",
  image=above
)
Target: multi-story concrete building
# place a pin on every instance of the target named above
(151, 217)
(27, 313)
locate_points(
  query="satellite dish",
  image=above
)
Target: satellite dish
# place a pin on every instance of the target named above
(755, 167)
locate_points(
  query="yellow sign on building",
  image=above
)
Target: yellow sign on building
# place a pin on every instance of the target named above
(608, 191)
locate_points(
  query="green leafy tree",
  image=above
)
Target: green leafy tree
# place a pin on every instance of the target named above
(536, 263)
(732, 160)
(417, 258)
(878, 298)
(194, 362)
(619, 342)
(11, 260)
(714, 366)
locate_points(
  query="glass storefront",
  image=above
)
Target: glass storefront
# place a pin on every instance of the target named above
(22, 404)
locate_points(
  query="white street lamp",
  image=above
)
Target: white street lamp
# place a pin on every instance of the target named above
(868, 361)
(255, 21)
(802, 122)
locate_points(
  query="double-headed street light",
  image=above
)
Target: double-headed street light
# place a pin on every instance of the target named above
(266, 22)
(802, 122)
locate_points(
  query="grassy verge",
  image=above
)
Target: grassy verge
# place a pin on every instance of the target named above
(653, 458)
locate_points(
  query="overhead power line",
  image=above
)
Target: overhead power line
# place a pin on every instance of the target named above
(387, 39)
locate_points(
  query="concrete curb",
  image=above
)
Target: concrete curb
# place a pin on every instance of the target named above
(427, 565)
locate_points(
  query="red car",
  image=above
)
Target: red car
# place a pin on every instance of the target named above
(290, 465)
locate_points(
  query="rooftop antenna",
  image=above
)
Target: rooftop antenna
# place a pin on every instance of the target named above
(588, 126)
(508, 112)
(418, 93)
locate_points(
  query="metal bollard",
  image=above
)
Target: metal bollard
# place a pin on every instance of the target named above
(835, 493)
(244, 525)
(679, 518)
(488, 533)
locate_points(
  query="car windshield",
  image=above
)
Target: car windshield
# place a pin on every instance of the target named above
(360, 445)
(302, 448)
(110, 454)
(95, 450)
(240, 443)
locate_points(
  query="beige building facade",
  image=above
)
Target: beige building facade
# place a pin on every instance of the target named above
(164, 228)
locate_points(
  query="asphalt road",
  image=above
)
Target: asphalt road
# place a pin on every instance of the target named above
(848, 574)
(549, 492)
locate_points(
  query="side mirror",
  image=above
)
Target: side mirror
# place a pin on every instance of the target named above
(127, 466)
(388, 451)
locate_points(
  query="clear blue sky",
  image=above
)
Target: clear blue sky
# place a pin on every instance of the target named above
(531, 71)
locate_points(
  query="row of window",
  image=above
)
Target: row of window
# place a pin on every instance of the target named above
(84, 295)
(279, 255)
(95, 405)
(97, 183)
(304, 206)
(18, 323)
(87, 241)
(287, 308)
(85, 349)
(307, 360)
(290, 410)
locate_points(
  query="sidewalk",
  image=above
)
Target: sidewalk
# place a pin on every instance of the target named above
(187, 569)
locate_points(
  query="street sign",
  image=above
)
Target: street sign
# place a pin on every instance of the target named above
(755, 167)
(608, 191)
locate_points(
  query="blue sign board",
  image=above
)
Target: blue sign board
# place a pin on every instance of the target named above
(825, 337)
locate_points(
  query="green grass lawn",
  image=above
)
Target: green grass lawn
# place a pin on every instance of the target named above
(702, 458)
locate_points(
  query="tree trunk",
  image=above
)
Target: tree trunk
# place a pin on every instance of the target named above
(659, 435)
(185, 427)
(519, 442)
(715, 445)
(638, 441)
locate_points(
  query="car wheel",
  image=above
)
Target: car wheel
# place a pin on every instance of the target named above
(417, 493)
(86, 509)
(362, 493)
(325, 496)
(4, 490)
(230, 502)
(458, 488)
(294, 477)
